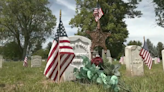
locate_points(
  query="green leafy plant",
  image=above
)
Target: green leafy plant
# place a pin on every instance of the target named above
(109, 68)
(91, 73)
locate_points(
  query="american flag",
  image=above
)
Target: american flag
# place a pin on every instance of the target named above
(60, 46)
(121, 60)
(98, 12)
(144, 53)
(158, 60)
(25, 61)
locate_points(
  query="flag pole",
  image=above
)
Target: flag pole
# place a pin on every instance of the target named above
(59, 57)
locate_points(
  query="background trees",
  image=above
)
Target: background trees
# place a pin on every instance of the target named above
(112, 20)
(25, 22)
(159, 12)
(133, 42)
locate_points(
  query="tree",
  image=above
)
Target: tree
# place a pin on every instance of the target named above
(42, 52)
(26, 22)
(112, 20)
(159, 12)
(135, 43)
(38, 46)
(160, 48)
(49, 46)
(152, 48)
(11, 51)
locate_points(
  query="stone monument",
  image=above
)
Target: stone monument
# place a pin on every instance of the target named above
(107, 55)
(81, 46)
(163, 58)
(134, 63)
(1, 61)
(36, 61)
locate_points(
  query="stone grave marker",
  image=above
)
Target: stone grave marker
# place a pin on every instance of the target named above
(81, 46)
(163, 58)
(1, 61)
(68, 74)
(108, 55)
(36, 61)
(134, 63)
(156, 60)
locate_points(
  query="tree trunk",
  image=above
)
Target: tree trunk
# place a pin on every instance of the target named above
(25, 47)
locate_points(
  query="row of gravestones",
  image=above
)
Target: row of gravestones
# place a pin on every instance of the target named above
(81, 46)
(35, 61)
(155, 60)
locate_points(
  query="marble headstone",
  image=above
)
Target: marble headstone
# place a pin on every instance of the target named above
(162, 58)
(36, 61)
(1, 61)
(108, 55)
(68, 74)
(81, 47)
(134, 63)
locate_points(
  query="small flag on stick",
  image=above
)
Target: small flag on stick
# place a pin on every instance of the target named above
(121, 60)
(25, 62)
(98, 12)
(60, 55)
(158, 60)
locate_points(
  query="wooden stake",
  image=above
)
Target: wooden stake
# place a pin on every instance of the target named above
(144, 39)
(59, 58)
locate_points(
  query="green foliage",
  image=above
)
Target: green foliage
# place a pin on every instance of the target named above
(160, 47)
(49, 46)
(113, 20)
(26, 22)
(11, 51)
(159, 12)
(42, 52)
(138, 43)
(91, 73)
(109, 68)
(37, 47)
(152, 49)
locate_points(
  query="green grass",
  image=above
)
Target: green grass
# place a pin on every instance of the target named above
(16, 78)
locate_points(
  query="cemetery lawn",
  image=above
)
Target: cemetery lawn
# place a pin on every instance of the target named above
(16, 78)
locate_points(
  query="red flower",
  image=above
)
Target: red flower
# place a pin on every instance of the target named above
(96, 61)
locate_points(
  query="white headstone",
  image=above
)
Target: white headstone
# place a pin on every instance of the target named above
(81, 47)
(163, 58)
(1, 61)
(36, 61)
(108, 55)
(156, 60)
(68, 74)
(134, 63)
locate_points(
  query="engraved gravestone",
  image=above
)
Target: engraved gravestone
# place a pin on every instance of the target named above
(1, 61)
(36, 61)
(81, 47)
(162, 58)
(134, 63)
(108, 55)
